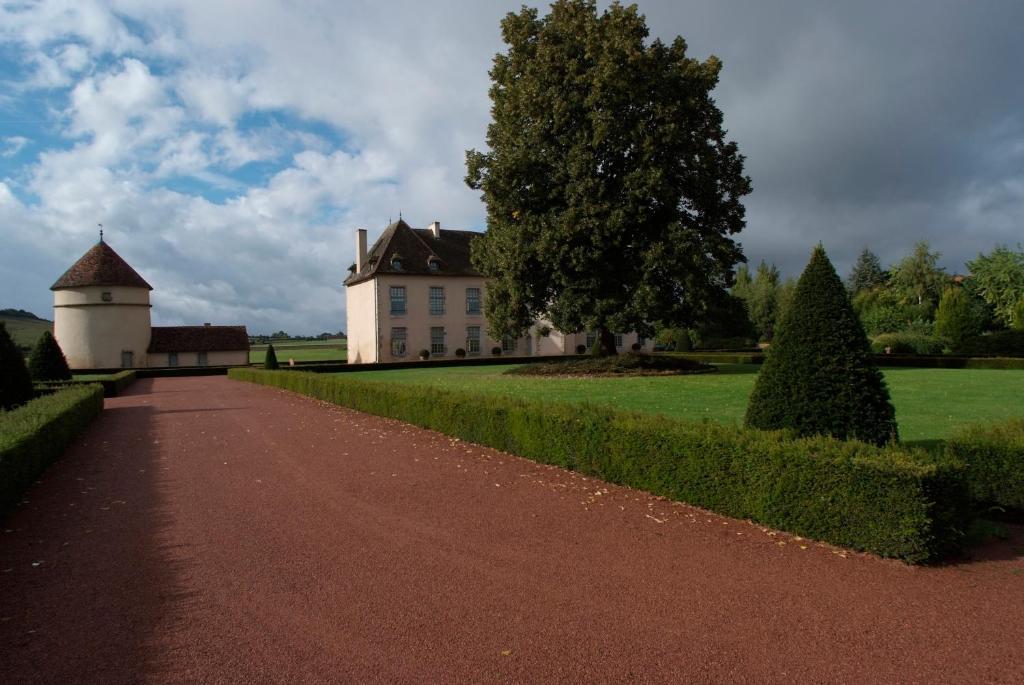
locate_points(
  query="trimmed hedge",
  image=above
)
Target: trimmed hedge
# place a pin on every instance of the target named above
(113, 383)
(1001, 343)
(993, 454)
(34, 435)
(889, 501)
(908, 343)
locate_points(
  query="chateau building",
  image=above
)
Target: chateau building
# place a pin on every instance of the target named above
(101, 319)
(415, 289)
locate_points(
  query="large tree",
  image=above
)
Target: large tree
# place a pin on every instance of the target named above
(866, 274)
(611, 190)
(998, 277)
(918, 278)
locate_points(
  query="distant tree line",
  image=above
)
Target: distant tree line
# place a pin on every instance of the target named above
(914, 306)
(262, 339)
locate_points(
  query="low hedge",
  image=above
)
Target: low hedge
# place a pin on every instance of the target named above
(908, 343)
(113, 383)
(34, 435)
(1000, 343)
(889, 501)
(993, 454)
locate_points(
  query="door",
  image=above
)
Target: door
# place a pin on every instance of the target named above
(127, 359)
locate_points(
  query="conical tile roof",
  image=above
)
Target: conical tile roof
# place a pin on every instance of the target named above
(101, 266)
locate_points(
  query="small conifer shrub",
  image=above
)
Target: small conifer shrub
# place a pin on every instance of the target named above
(15, 381)
(47, 362)
(819, 376)
(496, 351)
(271, 360)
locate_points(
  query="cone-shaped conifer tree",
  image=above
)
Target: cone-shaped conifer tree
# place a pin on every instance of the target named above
(48, 362)
(15, 383)
(271, 360)
(819, 376)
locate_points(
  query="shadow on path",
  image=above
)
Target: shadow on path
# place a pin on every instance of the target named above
(79, 561)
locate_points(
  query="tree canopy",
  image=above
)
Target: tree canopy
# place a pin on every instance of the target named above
(866, 274)
(611, 190)
(919, 278)
(998, 277)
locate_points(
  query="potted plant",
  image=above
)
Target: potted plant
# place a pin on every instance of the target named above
(424, 355)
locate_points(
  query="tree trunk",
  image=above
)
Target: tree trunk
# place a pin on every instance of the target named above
(606, 340)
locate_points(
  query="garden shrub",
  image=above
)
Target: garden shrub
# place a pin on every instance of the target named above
(496, 351)
(993, 455)
(819, 377)
(460, 353)
(998, 343)
(886, 500)
(581, 349)
(908, 343)
(15, 381)
(424, 354)
(270, 361)
(636, 347)
(48, 362)
(955, 318)
(35, 434)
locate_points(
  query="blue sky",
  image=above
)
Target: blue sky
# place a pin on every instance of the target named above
(232, 149)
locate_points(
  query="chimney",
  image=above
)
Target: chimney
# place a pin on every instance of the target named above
(360, 249)
(207, 325)
(435, 229)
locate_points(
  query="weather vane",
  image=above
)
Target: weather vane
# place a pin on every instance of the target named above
(101, 232)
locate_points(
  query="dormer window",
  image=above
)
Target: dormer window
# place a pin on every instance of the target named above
(396, 263)
(434, 264)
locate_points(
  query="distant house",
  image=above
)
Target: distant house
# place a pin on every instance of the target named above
(416, 289)
(101, 318)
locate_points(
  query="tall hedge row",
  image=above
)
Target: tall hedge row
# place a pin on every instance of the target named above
(35, 434)
(993, 454)
(885, 500)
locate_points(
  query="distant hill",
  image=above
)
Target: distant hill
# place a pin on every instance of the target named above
(18, 314)
(24, 327)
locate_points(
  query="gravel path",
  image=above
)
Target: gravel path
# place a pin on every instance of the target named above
(206, 530)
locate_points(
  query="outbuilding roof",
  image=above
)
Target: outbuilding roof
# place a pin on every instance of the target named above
(414, 249)
(101, 266)
(198, 339)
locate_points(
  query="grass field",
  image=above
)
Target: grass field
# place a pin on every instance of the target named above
(930, 403)
(26, 331)
(302, 351)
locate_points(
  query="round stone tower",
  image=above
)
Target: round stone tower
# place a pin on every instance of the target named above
(101, 312)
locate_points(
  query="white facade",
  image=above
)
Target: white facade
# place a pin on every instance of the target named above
(102, 327)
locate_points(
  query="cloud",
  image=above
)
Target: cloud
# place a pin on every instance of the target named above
(232, 151)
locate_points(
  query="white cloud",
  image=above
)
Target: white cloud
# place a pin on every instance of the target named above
(12, 145)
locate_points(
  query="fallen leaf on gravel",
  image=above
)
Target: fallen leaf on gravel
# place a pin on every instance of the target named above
(506, 652)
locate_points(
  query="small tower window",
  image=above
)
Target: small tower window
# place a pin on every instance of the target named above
(396, 263)
(433, 265)
(107, 296)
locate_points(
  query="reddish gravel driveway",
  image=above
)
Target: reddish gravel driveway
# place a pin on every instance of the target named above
(206, 530)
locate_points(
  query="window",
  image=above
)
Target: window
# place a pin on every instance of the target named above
(472, 300)
(508, 344)
(201, 358)
(437, 340)
(172, 359)
(436, 300)
(641, 340)
(107, 296)
(473, 339)
(618, 340)
(434, 265)
(397, 342)
(591, 339)
(396, 263)
(397, 293)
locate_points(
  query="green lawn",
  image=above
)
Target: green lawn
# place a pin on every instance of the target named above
(302, 351)
(930, 403)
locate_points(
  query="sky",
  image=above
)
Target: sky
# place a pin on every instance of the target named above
(232, 149)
